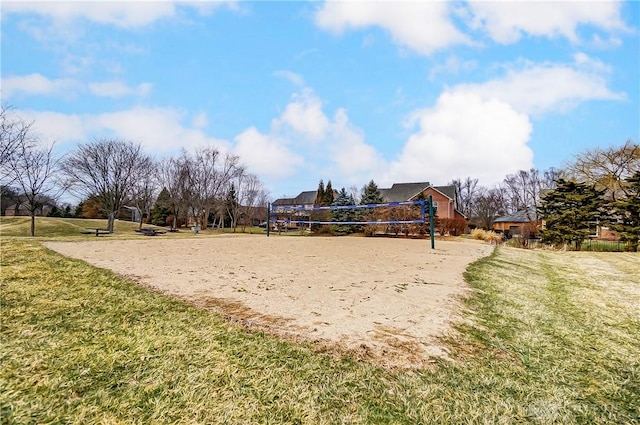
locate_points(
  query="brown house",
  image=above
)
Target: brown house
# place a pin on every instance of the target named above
(444, 197)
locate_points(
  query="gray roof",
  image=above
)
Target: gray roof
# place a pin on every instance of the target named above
(398, 192)
(304, 198)
(283, 201)
(450, 191)
(403, 191)
(522, 216)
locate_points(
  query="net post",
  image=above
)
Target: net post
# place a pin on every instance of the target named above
(268, 217)
(431, 223)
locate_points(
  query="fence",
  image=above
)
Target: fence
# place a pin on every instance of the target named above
(588, 245)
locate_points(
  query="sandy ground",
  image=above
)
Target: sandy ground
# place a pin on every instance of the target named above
(384, 299)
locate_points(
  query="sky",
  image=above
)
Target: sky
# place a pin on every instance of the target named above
(342, 91)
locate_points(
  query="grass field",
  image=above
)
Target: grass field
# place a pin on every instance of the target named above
(551, 337)
(48, 227)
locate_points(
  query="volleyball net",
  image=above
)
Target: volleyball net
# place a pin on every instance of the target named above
(367, 214)
(397, 217)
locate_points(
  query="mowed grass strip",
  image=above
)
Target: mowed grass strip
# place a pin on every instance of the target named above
(552, 338)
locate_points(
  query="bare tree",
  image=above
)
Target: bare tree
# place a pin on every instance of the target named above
(523, 190)
(607, 168)
(105, 169)
(354, 192)
(173, 176)
(252, 196)
(144, 188)
(466, 192)
(488, 205)
(208, 175)
(14, 136)
(33, 168)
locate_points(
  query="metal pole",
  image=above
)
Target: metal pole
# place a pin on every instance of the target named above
(268, 217)
(431, 223)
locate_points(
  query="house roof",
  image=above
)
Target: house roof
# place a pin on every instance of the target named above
(304, 198)
(398, 192)
(522, 216)
(403, 191)
(449, 191)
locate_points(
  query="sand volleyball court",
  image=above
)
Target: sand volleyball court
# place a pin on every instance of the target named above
(384, 299)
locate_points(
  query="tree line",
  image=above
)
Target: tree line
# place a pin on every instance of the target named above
(597, 188)
(205, 185)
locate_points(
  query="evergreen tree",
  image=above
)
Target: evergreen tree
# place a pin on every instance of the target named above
(78, 211)
(626, 213)
(371, 194)
(319, 194)
(321, 201)
(327, 198)
(55, 212)
(161, 209)
(342, 199)
(571, 212)
(232, 206)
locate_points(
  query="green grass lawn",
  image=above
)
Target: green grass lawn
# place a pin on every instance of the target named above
(55, 228)
(551, 337)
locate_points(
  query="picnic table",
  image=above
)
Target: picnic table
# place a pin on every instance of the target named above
(150, 231)
(97, 230)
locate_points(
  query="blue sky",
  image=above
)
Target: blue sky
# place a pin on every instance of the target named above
(346, 91)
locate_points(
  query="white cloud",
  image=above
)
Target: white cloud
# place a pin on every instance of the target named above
(125, 14)
(118, 13)
(452, 66)
(266, 154)
(292, 77)
(159, 130)
(117, 89)
(545, 88)
(462, 135)
(506, 22)
(55, 126)
(305, 116)
(304, 135)
(201, 120)
(422, 26)
(37, 84)
(353, 157)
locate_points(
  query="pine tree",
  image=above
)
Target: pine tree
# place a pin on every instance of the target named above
(232, 206)
(319, 194)
(327, 198)
(322, 196)
(161, 209)
(571, 212)
(343, 199)
(625, 218)
(370, 195)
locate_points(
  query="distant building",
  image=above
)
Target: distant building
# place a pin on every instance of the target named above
(518, 223)
(22, 209)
